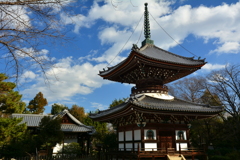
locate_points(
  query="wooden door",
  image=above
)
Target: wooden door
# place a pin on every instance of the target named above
(166, 142)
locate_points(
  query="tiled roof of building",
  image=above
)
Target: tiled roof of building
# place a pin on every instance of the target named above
(75, 128)
(33, 120)
(175, 105)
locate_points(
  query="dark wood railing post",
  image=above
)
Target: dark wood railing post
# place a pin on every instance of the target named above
(180, 152)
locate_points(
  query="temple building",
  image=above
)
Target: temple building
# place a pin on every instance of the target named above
(151, 119)
(73, 129)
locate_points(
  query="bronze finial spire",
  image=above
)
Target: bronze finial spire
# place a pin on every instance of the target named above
(147, 33)
(146, 23)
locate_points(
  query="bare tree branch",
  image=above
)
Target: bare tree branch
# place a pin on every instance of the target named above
(26, 26)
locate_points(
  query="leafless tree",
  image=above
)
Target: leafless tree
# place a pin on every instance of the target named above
(225, 83)
(189, 89)
(25, 27)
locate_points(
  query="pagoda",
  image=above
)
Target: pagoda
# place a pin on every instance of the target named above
(150, 118)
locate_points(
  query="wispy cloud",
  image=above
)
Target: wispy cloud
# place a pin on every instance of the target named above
(66, 80)
(210, 67)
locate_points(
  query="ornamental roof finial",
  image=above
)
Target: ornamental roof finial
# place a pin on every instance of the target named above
(146, 23)
(147, 33)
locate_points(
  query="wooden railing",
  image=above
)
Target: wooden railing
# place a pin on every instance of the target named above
(152, 153)
(182, 157)
(168, 157)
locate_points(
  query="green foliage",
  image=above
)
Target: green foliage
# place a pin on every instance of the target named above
(36, 105)
(116, 102)
(50, 132)
(73, 149)
(57, 108)
(218, 157)
(21, 147)
(205, 131)
(10, 100)
(78, 112)
(110, 140)
(210, 98)
(11, 130)
(100, 127)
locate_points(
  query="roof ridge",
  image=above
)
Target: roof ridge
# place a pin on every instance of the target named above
(189, 58)
(201, 104)
(31, 114)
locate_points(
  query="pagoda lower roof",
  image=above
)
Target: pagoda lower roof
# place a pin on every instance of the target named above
(150, 54)
(156, 105)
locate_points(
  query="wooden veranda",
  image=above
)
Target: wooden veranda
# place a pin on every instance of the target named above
(153, 153)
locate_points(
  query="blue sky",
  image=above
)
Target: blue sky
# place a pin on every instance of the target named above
(208, 28)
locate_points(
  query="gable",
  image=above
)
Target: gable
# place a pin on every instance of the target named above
(67, 120)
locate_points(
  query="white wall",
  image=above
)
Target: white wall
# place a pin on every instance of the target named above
(150, 146)
(184, 146)
(57, 148)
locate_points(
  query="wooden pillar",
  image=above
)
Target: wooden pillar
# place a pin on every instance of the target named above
(158, 138)
(117, 138)
(188, 136)
(142, 138)
(174, 136)
(180, 152)
(133, 139)
(124, 139)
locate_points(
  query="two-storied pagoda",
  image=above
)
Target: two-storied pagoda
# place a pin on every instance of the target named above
(151, 118)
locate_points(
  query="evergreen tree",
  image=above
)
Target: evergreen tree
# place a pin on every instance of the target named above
(11, 130)
(210, 98)
(50, 132)
(10, 100)
(100, 127)
(78, 112)
(36, 106)
(57, 108)
(116, 102)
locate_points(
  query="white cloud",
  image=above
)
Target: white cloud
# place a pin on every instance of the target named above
(67, 80)
(210, 67)
(30, 52)
(227, 47)
(78, 21)
(27, 76)
(98, 106)
(221, 23)
(15, 17)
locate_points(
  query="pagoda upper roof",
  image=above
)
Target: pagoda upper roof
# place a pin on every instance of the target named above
(156, 53)
(155, 57)
(156, 105)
